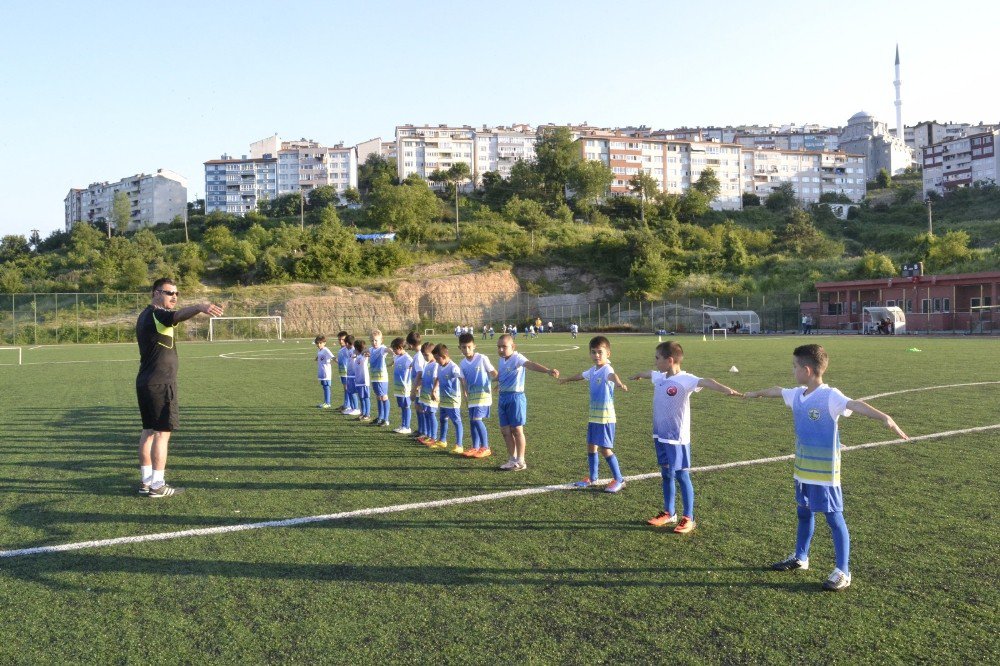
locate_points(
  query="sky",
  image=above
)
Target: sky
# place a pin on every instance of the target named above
(100, 91)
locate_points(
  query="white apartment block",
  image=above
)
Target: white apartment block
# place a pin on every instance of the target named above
(931, 132)
(154, 199)
(422, 150)
(498, 148)
(811, 173)
(961, 162)
(239, 186)
(674, 164)
(305, 165)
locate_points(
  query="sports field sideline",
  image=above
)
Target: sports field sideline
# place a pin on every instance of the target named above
(526, 576)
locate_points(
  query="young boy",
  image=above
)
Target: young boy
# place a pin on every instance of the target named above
(324, 363)
(449, 386)
(428, 399)
(343, 363)
(380, 378)
(513, 406)
(601, 426)
(416, 369)
(478, 373)
(402, 382)
(673, 388)
(362, 381)
(350, 392)
(816, 409)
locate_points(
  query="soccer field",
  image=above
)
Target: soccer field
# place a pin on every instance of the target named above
(554, 576)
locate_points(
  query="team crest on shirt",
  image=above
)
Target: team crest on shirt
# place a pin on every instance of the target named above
(814, 414)
(671, 391)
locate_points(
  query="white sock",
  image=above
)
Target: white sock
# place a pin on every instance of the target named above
(146, 472)
(157, 478)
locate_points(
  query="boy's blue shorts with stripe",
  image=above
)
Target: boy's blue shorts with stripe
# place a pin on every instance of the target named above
(513, 409)
(601, 434)
(674, 456)
(478, 412)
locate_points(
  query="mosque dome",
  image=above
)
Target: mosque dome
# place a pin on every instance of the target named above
(860, 117)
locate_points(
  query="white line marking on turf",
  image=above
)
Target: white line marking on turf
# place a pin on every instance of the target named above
(522, 492)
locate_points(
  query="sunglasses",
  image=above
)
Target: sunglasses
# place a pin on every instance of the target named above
(168, 293)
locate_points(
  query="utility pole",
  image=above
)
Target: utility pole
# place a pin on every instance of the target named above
(930, 217)
(456, 209)
(302, 208)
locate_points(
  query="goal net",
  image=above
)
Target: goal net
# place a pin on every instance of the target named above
(7, 355)
(245, 328)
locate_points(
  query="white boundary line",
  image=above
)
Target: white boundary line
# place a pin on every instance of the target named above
(522, 492)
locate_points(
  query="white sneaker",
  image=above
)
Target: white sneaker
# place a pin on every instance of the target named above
(520, 466)
(402, 431)
(352, 412)
(837, 581)
(509, 465)
(324, 405)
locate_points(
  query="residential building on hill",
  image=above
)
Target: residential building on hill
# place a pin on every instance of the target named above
(239, 186)
(811, 173)
(422, 150)
(154, 199)
(961, 162)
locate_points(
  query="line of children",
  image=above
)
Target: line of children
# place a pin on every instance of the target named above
(602, 422)
(673, 389)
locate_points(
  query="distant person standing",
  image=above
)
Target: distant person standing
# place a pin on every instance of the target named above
(805, 324)
(156, 383)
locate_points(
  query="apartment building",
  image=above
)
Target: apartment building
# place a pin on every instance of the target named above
(811, 173)
(498, 148)
(154, 199)
(239, 186)
(961, 162)
(674, 164)
(422, 150)
(304, 165)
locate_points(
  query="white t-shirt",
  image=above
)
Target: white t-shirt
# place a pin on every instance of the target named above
(324, 369)
(672, 406)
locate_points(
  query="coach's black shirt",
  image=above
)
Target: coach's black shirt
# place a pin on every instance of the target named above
(154, 331)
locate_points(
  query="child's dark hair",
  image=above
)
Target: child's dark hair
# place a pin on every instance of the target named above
(342, 335)
(349, 340)
(670, 349)
(413, 339)
(427, 347)
(466, 338)
(359, 345)
(442, 351)
(319, 339)
(812, 356)
(397, 343)
(600, 341)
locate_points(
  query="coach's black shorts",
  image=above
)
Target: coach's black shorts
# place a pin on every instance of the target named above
(158, 407)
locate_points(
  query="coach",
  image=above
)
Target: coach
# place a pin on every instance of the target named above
(156, 383)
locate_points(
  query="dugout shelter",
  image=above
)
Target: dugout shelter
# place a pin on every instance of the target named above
(733, 321)
(875, 316)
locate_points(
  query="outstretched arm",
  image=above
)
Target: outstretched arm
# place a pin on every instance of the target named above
(575, 378)
(773, 392)
(645, 374)
(531, 365)
(211, 309)
(713, 385)
(865, 409)
(618, 382)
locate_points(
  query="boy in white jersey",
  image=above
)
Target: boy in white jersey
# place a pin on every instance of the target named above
(343, 354)
(513, 406)
(324, 370)
(362, 381)
(402, 382)
(478, 373)
(350, 394)
(416, 367)
(672, 430)
(379, 378)
(816, 408)
(601, 425)
(428, 398)
(449, 385)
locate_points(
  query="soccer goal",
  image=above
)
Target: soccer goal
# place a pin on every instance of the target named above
(428, 331)
(4, 357)
(721, 331)
(246, 328)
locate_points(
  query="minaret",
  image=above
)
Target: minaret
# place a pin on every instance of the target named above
(899, 103)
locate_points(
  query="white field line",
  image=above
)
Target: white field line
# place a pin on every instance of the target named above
(489, 497)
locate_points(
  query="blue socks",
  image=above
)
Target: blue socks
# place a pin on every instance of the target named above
(405, 416)
(326, 392)
(667, 476)
(592, 470)
(480, 437)
(838, 527)
(616, 473)
(459, 431)
(431, 423)
(383, 410)
(366, 406)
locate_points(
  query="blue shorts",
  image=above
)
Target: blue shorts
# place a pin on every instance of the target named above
(362, 392)
(452, 413)
(343, 380)
(513, 409)
(380, 389)
(324, 382)
(402, 402)
(479, 412)
(817, 498)
(674, 456)
(601, 434)
(430, 409)
(349, 385)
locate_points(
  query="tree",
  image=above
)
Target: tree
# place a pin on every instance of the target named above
(352, 195)
(526, 213)
(750, 199)
(85, 246)
(323, 196)
(734, 252)
(375, 170)
(408, 209)
(148, 245)
(947, 251)
(589, 181)
(121, 213)
(708, 184)
(555, 155)
(883, 180)
(646, 187)
(693, 204)
(525, 182)
(13, 247)
(458, 173)
(11, 279)
(782, 198)
(801, 238)
(286, 205)
(873, 265)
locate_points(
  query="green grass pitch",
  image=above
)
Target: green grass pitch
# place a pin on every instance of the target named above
(560, 577)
